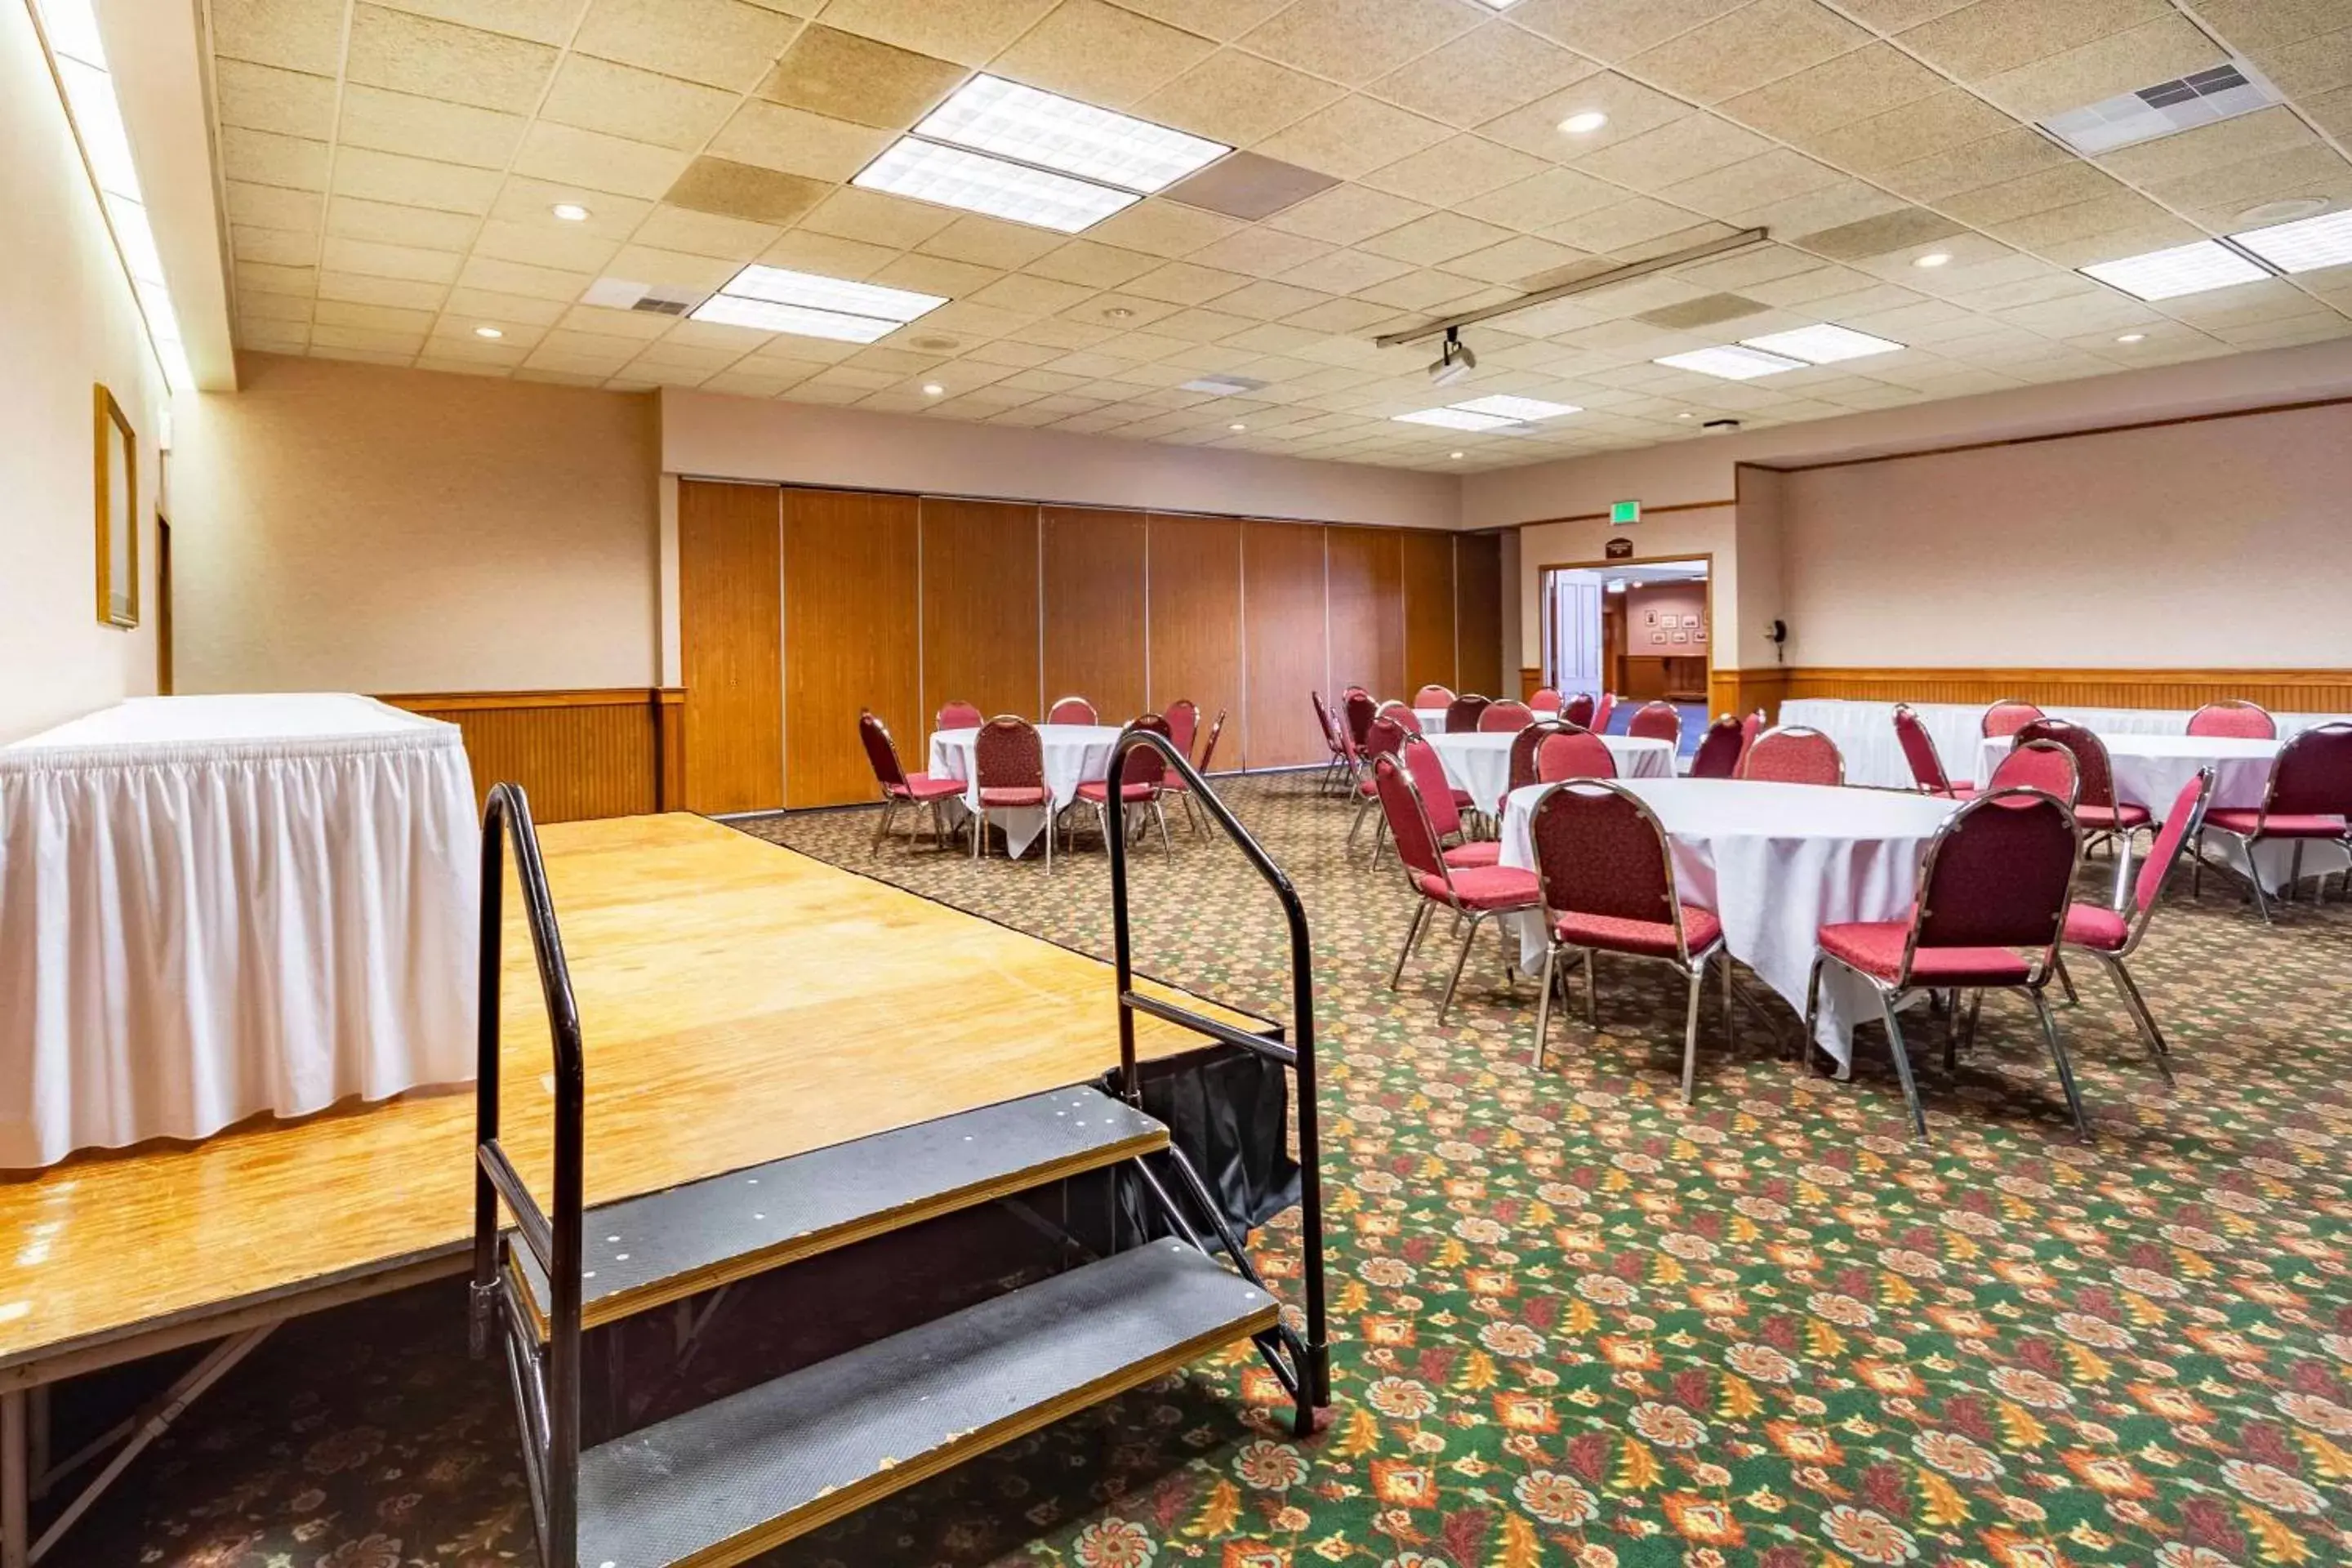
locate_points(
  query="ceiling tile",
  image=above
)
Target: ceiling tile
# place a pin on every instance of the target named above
(266, 158)
(1031, 296)
(651, 264)
(265, 98)
(1486, 72)
(429, 128)
(1542, 200)
(1221, 19)
(797, 142)
(437, 59)
(2121, 62)
(520, 277)
(296, 34)
(542, 21)
(968, 31)
(1353, 136)
(842, 75)
(523, 199)
(636, 105)
(1517, 260)
(990, 242)
(544, 245)
(1869, 147)
(1336, 39)
(1839, 91)
(1768, 178)
(367, 290)
(2063, 185)
(1426, 241)
(393, 224)
(1632, 109)
(1163, 228)
(359, 256)
(1761, 42)
(598, 163)
(1096, 52)
(1682, 150)
(2270, 24)
(936, 275)
(2008, 156)
(1346, 214)
(1617, 30)
(876, 218)
(277, 246)
(413, 182)
(1454, 170)
(1248, 185)
(1096, 266)
(2268, 133)
(1236, 97)
(719, 43)
(1982, 40)
(1261, 252)
(1180, 283)
(1346, 271)
(744, 191)
(805, 251)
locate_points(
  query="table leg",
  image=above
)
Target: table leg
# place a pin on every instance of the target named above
(15, 1483)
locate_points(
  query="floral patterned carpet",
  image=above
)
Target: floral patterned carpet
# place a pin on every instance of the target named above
(1574, 1321)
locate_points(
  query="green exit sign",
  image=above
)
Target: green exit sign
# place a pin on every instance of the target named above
(1622, 512)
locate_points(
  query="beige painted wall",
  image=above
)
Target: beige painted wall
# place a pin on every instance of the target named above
(358, 528)
(68, 320)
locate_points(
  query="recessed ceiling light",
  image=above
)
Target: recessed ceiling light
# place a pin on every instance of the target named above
(1933, 258)
(1223, 386)
(1118, 313)
(2168, 274)
(933, 389)
(767, 316)
(570, 212)
(2303, 245)
(1456, 419)
(782, 286)
(1520, 408)
(1684, 416)
(1456, 456)
(952, 177)
(1237, 428)
(2133, 337)
(1822, 344)
(1731, 363)
(2282, 211)
(487, 332)
(990, 114)
(1584, 123)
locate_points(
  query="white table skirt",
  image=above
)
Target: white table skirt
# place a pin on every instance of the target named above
(1075, 754)
(1481, 764)
(213, 906)
(1775, 862)
(1433, 719)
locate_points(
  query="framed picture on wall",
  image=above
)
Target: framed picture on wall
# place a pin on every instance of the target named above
(1657, 636)
(1682, 637)
(1699, 635)
(117, 472)
(1690, 620)
(1650, 618)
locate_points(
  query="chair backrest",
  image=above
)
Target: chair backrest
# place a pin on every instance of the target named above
(2232, 717)
(1070, 710)
(1599, 851)
(1409, 824)
(1462, 713)
(1323, 718)
(1546, 700)
(960, 716)
(2044, 765)
(1183, 724)
(1599, 725)
(2187, 814)
(1919, 750)
(2008, 716)
(1999, 873)
(1385, 737)
(1503, 715)
(1144, 764)
(880, 749)
(1406, 719)
(1208, 751)
(1719, 749)
(1578, 709)
(1573, 754)
(2095, 777)
(1428, 770)
(1359, 711)
(1526, 744)
(1794, 754)
(1008, 754)
(1432, 696)
(2313, 774)
(1749, 728)
(1657, 721)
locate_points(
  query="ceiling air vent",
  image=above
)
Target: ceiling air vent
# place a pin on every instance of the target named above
(2202, 98)
(1224, 385)
(654, 298)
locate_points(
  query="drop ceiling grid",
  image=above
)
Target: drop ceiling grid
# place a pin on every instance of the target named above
(1038, 349)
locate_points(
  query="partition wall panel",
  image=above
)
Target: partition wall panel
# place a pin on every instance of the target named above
(1093, 609)
(980, 606)
(1365, 580)
(1478, 615)
(1284, 640)
(729, 610)
(850, 640)
(1195, 566)
(1428, 592)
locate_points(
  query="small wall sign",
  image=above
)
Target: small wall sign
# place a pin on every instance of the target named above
(1624, 513)
(1617, 550)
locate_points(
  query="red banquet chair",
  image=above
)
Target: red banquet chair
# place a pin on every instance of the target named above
(960, 716)
(2309, 801)
(1599, 725)
(1386, 736)
(1406, 719)
(1997, 877)
(1140, 783)
(1577, 711)
(2234, 717)
(1342, 762)
(1070, 710)
(1357, 711)
(1749, 728)
(2044, 765)
(1462, 714)
(1607, 879)
(1793, 754)
(2097, 813)
(2112, 935)
(1545, 700)
(1432, 696)
(1183, 724)
(1174, 783)
(900, 787)
(1506, 716)
(1919, 750)
(1468, 892)
(1445, 805)
(1574, 754)
(1008, 771)
(2008, 716)
(1719, 749)
(1525, 745)
(1656, 721)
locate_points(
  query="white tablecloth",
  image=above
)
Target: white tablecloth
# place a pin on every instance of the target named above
(1075, 753)
(212, 907)
(1481, 762)
(1433, 719)
(2151, 770)
(1776, 862)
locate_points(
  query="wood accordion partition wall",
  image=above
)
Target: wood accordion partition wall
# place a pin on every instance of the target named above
(800, 606)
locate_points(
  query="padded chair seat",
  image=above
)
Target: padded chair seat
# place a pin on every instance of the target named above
(1649, 939)
(2095, 926)
(1960, 791)
(1014, 795)
(1875, 948)
(1480, 852)
(2242, 821)
(1488, 888)
(1098, 792)
(924, 787)
(2101, 817)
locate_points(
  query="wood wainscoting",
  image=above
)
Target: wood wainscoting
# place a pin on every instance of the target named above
(2280, 690)
(614, 752)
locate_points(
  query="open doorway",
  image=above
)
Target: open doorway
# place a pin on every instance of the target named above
(1642, 629)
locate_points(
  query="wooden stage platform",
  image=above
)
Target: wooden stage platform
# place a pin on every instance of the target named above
(741, 1002)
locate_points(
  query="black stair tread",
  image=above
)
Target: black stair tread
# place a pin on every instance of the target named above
(643, 1252)
(734, 1477)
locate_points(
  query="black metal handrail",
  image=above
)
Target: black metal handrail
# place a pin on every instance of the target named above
(556, 1242)
(1298, 1055)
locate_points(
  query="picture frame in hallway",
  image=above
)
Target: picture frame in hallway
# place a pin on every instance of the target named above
(116, 470)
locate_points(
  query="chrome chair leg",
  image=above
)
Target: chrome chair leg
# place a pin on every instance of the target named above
(1165, 846)
(1592, 994)
(1412, 936)
(1460, 958)
(882, 829)
(1903, 1063)
(1543, 1001)
(1730, 1030)
(1510, 959)
(1812, 1012)
(2067, 982)
(2058, 1055)
(2255, 880)
(2197, 875)
(2294, 873)
(1975, 1006)
(1690, 1031)
(2141, 1016)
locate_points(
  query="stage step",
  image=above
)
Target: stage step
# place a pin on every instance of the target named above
(645, 1252)
(735, 1478)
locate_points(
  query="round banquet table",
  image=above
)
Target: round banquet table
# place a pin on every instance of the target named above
(2150, 770)
(1776, 862)
(1074, 754)
(1480, 761)
(1433, 719)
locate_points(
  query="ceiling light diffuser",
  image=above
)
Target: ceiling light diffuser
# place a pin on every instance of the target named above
(1584, 124)
(2168, 274)
(2303, 245)
(1456, 419)
(1933, 258)
(570, 212)
(783, 285)
(1822, 344)
(952, 177)
(990, 114)
(766, 316)
(1730, 363)
(1520, 408)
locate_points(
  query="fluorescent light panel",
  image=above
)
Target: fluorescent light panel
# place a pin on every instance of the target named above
(2303, 245)
(1516, 409)
(2190, 269)
(990, 114)
(1732, 362)
(767, 316)
(782, 286)
(952, 177)
(1456, 419)
(1822, 344)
